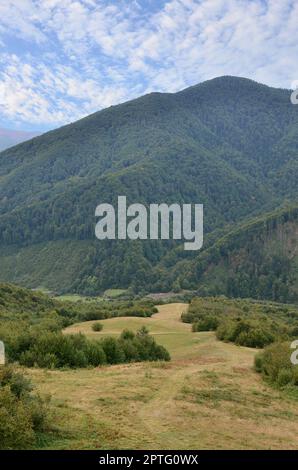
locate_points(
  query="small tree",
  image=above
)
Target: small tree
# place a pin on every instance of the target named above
(97, 326)
(143, 331)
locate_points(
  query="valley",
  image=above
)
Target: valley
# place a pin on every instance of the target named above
(140, 343)
(148, 232)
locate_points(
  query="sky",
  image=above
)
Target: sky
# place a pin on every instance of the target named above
(61, 60)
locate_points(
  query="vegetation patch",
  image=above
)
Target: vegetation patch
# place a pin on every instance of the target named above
(275, 365)
(24, 416)
(97, 326)
(245, 323)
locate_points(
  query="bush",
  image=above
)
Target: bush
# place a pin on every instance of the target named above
(258, 362)
(51, 349)
(95, 354)
(275, 364)
(113, 351)
(16, 427)
(255, 338)
(251, 333)
(55, 350)
(284, 377)
(19, 385)
(127, 334)
(97, 326)
(22, 414)
(209, 323)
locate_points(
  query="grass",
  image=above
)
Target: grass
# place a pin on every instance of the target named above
(207, 397)
(114, 293)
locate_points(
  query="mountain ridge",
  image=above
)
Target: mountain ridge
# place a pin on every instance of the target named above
(229, 143)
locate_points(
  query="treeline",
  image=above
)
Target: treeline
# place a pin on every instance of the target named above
(17, 303)
(43, 344)
(245, 323)
(55, 350)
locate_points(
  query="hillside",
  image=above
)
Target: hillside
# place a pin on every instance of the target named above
(258, 260)
(17, 302)
(229, 143)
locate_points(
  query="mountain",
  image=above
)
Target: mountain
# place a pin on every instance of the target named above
(9, 138)
(229, 143)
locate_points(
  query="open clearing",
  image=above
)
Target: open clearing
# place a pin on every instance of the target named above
(207, 397)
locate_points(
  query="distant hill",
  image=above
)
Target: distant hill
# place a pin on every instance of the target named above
(229, 143)
(9, 138)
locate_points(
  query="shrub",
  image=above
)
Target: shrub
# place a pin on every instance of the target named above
(54, 350)
(141, 347)
(255, 338)
(16, 427)
(251, 333)
(131, 350)
(113, 351)
(209, 323)
(22, 414)
(275, 364)
(95, 354)
(258, 362)
(284, 377)
(127, 334)
(18, 383)
(143, 331)
(97, 326)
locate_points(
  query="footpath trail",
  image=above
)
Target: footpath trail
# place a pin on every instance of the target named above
(162, 415)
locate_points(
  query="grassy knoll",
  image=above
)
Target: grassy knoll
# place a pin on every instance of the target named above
(208, 396)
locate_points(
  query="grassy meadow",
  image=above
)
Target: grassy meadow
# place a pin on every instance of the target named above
(207, 397)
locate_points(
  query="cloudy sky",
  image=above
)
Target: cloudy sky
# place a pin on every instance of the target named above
(63, 59)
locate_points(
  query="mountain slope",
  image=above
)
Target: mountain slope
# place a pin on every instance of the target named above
(229, 143)
(258, 260)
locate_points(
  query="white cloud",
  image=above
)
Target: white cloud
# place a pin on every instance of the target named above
(77, 56)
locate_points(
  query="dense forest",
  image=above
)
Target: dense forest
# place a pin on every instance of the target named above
(228, 143)
(258, 260)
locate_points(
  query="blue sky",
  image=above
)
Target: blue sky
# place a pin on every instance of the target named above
(63, 59)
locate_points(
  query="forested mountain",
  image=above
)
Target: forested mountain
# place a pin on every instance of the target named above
(8, 137)
(229, 143)
(258, 260)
